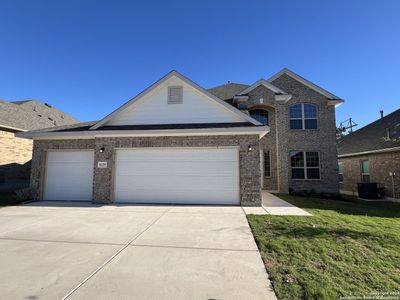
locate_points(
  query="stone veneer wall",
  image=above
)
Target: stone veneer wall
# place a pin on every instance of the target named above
(249, 161)
(322, 139)
(380, 164)
(15, 154)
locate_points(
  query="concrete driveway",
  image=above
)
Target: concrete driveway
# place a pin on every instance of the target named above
(57, 250)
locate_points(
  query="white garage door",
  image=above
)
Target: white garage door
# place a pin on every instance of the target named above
(165, 175)
(69, 175)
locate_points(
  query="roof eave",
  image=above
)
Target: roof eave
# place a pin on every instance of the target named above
(336, 102)
(264, 83)
(91, 134)
(393, 149)
(304, 81)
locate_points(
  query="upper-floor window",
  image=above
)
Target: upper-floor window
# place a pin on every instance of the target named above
(365, 171)
(340, 165)
(305, 165)
(303, 116)
(260, 115)
(175, 95)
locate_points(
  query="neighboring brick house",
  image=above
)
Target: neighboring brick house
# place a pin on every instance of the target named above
(372, 154)
(177, 142)
(16, 153)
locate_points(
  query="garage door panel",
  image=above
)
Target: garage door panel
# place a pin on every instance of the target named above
(69, 175)
(175, 196)
(177, 176)
(176, 155)
(171, 183)
(186, 169)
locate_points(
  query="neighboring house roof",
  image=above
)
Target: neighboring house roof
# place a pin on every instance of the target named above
(31, 115)
(383, 134)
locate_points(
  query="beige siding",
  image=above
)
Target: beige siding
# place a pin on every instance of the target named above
(153, 108)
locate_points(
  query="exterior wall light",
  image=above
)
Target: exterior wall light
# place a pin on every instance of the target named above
(101, 150)
(249, 148)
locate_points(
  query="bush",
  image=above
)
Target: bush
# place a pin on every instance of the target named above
(23, 194)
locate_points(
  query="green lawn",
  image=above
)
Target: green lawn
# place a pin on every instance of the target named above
(8, 199)
(345, 249)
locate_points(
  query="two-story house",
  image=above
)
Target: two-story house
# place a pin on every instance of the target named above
(177, 142)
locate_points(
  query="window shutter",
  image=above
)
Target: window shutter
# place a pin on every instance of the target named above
(175, 95)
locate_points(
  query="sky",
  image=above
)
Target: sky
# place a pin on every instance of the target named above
(89, 57)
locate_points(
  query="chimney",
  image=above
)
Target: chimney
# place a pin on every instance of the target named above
(381, 113)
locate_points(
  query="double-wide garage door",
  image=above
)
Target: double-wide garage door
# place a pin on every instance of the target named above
(156, 175)
(190, 176)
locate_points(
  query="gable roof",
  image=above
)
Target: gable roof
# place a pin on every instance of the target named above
(228, 90)
(264, 83)
(31, 115)
(373, 137)
(306, 83)
(187, 81)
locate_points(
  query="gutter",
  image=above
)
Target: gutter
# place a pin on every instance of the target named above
(14, 129)
(91, 134)
(370, 152)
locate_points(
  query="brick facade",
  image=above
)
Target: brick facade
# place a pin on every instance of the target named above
(249, 161)
(268, 142)
(15, 154)
(322, 139)
(380, 164)
(281, 139)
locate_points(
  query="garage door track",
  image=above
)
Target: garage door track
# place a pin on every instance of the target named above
(66, 250)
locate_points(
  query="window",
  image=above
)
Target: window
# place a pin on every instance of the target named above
(175, 95)
(340, 165)
(305, 165)
(303, 116)
(260, 115)
(365, 171)
(267, 163)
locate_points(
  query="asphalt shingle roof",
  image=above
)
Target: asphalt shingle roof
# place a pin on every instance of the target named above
(32, 115)
(86, 126)
(374, 136)
(228, 90)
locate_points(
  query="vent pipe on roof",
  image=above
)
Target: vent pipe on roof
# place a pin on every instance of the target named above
(381, 113)
(388, 133)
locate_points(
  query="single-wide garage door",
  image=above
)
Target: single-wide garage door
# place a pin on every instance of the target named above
(69, 175)
(169, 175)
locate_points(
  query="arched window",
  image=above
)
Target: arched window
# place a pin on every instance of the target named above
(303, 116)
(260, 115)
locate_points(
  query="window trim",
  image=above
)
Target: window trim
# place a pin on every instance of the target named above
(305, 166)
(269, 162)
(260, 109)
(169, 101)
(362, 171)
(303, 118)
